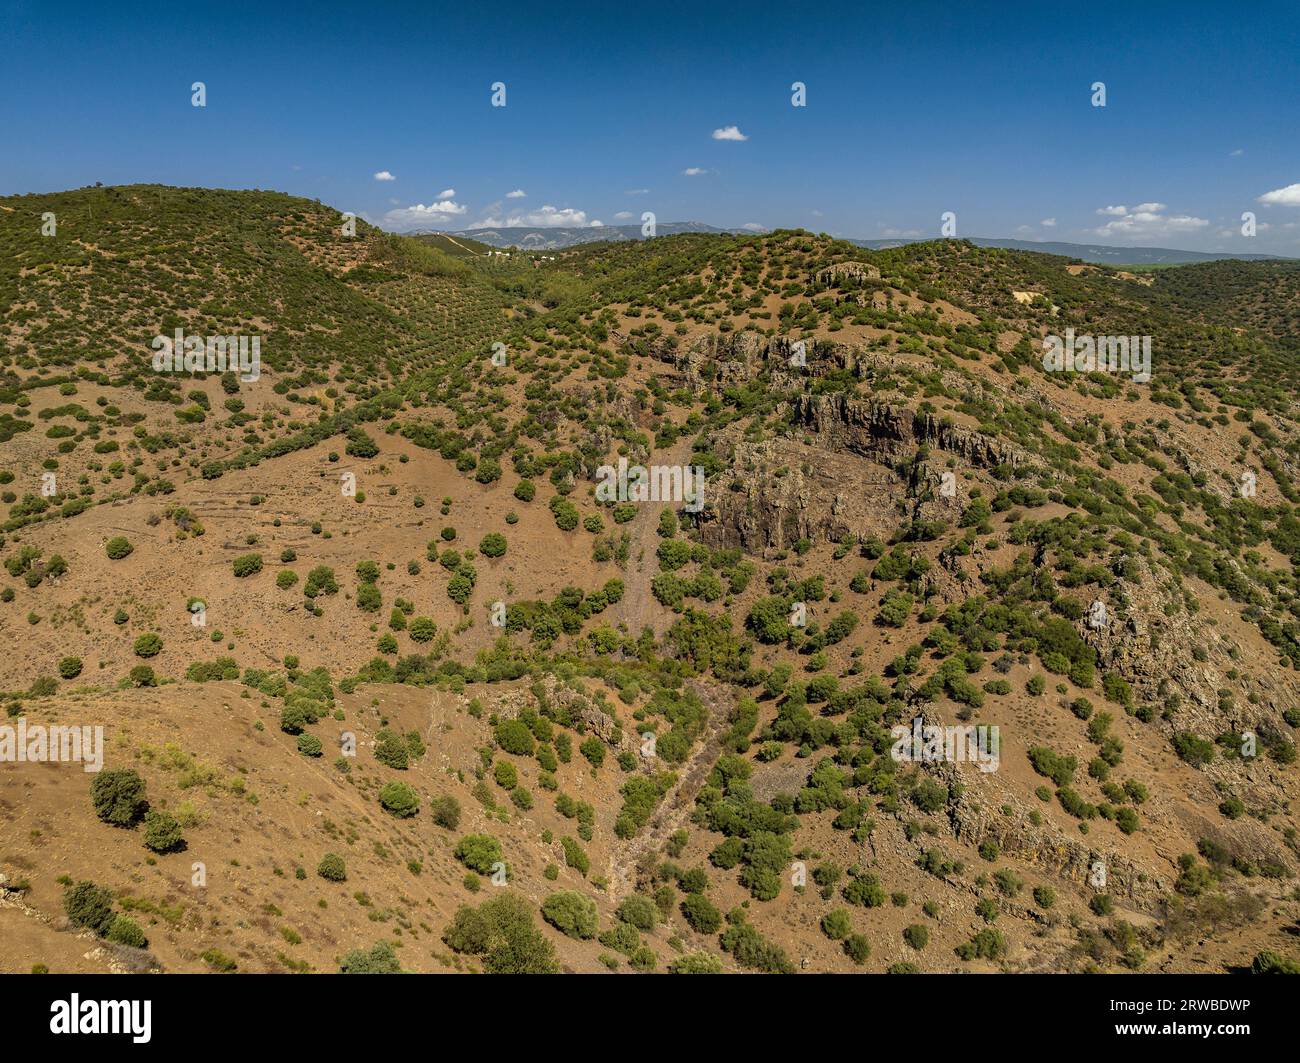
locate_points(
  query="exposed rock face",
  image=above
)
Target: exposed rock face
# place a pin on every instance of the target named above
(602, 724)
(1055, 854)
(782, 490)
(721, 359)
(856, 272)
(889, 433)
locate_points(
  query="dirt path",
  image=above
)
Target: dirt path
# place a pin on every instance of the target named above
(679, 802)
(638, 606)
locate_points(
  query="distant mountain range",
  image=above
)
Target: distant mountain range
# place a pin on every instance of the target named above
(549, 239)
(546, 239)
(1102, 254)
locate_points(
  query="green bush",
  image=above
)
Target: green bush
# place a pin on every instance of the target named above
(696, 963)
(857, 948)
(514, 737)
(70, 667)
(445, 811)
(332, 867)
(836, 924)
(162, 833)
(247, 565)
(118, 796)
(639, 911)
(422, 629)
(571, 914)
(124, 931)
(701, 914)
(399, 799)
(89, 906)
(493, 544)
(378, 959)
(504, 932)
(391, 749)
(479, 852)
(148, 645)
(117, 548)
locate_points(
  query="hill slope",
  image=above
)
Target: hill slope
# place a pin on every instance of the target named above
(677, 712)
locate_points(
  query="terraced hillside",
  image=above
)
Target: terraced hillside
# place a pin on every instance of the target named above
(386, 681)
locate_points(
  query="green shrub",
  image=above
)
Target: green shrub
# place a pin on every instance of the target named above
(126, 931)
(219, 961)
(247, 565)
(118, 796)
(701, 914)
(514, 737)
(399, 799)
(639, 911)
(117, 548)
(332, 867)
(479, 852)
(696, 963)
(148, 645)
(422, 629)
(836, 924)
(391, 749)
(445, 811)
(504, 932)
(378, 959)
(162, 833)
(89, 906)
(857, 948)
(493, 544)
(571, 914)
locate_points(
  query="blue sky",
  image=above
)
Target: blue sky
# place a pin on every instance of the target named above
(913, 109)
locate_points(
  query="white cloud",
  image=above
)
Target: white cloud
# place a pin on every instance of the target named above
(1146, 221)
(518, 193)
(384, 175)
(754, 227)
(420, 216)
(694, 171)
(637, 192)
(447, 193)
(1236, 152)
(895, 234)
(1048, 223)
(1283, 197)
(729, 132)
(623, 215)
(546, 218)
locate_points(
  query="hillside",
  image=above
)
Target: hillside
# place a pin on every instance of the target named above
(599, 734)
(1098, 254)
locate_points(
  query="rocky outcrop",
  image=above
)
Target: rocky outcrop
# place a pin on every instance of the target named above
(889, 433)
(595, 719)
(782, 490)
